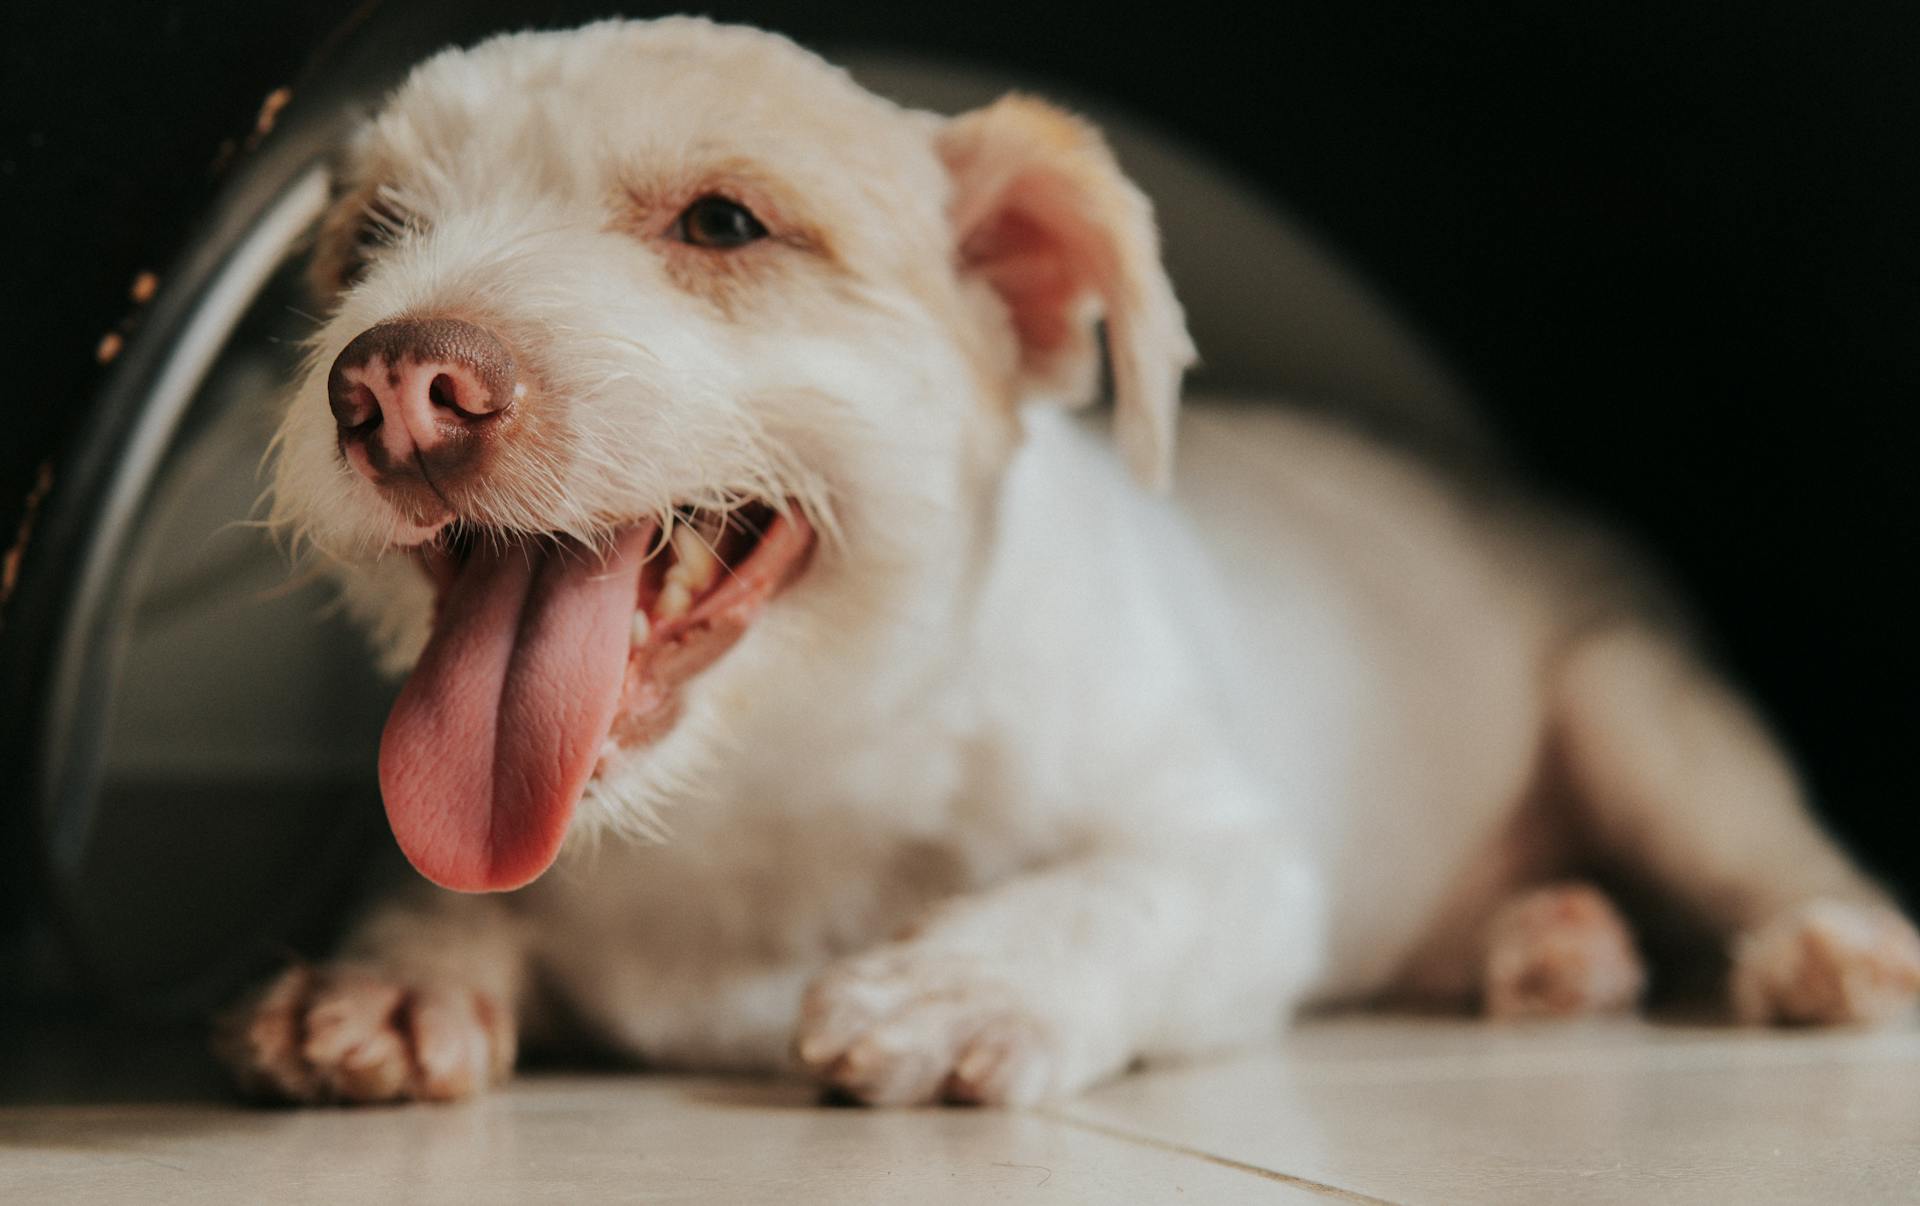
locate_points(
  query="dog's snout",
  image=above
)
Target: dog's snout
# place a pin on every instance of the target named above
(421, 396)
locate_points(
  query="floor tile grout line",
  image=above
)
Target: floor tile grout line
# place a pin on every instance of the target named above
(1181, 1149)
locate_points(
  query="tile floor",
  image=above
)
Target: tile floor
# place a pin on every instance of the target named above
(1349, 1109)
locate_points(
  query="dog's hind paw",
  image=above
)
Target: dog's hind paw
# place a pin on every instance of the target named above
(1828, 963)
(346, 1034)
(1560, 951)
(902, 1026)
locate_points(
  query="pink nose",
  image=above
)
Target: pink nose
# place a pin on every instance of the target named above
(421, 398)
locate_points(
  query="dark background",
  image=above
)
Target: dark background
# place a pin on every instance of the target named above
(1674, 247)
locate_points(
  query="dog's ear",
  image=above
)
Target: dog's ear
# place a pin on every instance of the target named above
(1042, 213)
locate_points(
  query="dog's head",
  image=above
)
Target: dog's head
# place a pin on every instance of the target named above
(655, 342)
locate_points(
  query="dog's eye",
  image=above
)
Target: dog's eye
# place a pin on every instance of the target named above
(716, 222)
(377, 227)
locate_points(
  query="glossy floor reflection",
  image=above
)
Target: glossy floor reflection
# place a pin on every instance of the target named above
(1370, 1108)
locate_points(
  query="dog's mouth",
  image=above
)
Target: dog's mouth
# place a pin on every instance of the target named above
(547, 657)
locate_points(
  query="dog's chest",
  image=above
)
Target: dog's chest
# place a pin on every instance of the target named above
(696, 951)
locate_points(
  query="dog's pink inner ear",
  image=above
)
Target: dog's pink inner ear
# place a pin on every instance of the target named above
(1043, 214)
(1046, 281)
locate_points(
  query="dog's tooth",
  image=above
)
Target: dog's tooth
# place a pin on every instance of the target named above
(696, 564)
(642, 629)
(675, 600)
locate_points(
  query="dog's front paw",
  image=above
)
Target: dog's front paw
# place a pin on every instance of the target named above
(1828, 963)
(348, 1034)
(908, 1026)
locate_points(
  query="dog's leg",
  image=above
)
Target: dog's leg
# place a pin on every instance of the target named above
(1044, 985)
(1679, 782)
(420, 1005)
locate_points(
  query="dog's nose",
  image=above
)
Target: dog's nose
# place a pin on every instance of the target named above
(421, 396)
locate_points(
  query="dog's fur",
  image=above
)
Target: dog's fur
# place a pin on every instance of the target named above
(1034, 773)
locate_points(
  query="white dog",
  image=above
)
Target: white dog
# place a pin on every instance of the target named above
(690, 422)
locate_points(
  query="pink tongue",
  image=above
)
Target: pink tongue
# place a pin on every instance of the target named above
(494, 736)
